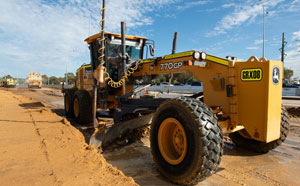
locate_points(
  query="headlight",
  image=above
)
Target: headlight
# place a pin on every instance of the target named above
(203, 55)
(199, 55)
(196, 55)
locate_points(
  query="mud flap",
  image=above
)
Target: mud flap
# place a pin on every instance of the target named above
(102, 137)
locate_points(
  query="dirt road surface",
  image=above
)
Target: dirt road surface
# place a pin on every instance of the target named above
(238, 167)
(37, 147)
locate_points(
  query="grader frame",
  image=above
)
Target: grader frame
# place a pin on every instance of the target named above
(242, 99)
(228, 92)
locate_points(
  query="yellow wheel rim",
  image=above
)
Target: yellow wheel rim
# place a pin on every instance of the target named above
(172, 141)
(67, 104)
(76, 107)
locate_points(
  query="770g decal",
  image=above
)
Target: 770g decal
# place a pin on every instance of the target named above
(170, 66)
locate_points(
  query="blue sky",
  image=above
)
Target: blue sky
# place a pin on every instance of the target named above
(47, 36)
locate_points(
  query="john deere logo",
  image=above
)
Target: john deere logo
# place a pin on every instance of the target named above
(276, 75)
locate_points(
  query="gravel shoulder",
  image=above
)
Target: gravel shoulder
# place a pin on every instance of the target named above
(280, 166)
(40, 148)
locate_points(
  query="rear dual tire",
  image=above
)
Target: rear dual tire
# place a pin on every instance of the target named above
(261, 147)
(82, 107)
(68, 102)
(78, 106)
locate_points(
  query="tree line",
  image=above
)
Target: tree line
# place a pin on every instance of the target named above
(177, 78)
(53, 80)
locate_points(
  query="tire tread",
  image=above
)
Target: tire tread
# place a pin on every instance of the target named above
(261, 147)
(85, 107)
(211, 136)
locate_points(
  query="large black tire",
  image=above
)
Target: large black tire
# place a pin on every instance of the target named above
(262, 147)
(204, 141)
(9, 86)
(68, 103)
(83, 107)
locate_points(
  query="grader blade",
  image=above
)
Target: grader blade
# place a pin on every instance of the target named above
(102, 137)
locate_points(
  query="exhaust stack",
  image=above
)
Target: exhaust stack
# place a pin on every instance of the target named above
(174, 43)
(123, 50)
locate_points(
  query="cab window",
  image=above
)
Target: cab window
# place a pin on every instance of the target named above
(114, 51)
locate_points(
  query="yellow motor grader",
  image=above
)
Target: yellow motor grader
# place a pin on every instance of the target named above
(242, 99)
(8, 81)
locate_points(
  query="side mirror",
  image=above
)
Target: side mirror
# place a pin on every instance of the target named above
(151, 48)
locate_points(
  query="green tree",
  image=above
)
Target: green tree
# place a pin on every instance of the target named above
(295, 80)
(160, 78)
(54, 80)
(193, 79)
(45, 79)
(71, 77)
(288, 73)
(20, 80)
(181, 78)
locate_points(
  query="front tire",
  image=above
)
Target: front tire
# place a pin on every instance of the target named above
(82, 106)
(186, 140)
(262, 147)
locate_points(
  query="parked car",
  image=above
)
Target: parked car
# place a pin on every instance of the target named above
(297, 85)
(190, 87)
(164, 84)
(196, 84)
(289, 90)
(178, 84)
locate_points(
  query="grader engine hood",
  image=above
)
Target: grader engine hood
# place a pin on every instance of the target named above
(259, 97)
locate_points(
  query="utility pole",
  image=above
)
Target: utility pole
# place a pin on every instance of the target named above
(282, 48)
(67, 73)
(263, 48)
(283, 43)
(173, 52)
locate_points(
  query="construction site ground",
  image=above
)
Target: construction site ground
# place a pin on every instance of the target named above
(39, 147)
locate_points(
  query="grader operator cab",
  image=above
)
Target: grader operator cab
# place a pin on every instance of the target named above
(242, 99)
(82, 91)
(134, 51)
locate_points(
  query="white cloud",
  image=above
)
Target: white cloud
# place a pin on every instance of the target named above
(47, 36)
(229, 5)
(257, 42)
(252, 48)
(292, 59)
(241, 14)
(294, 6)
(192, 4)
(292, 54)
(236, 18)
(296, 35)
(133, 12)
